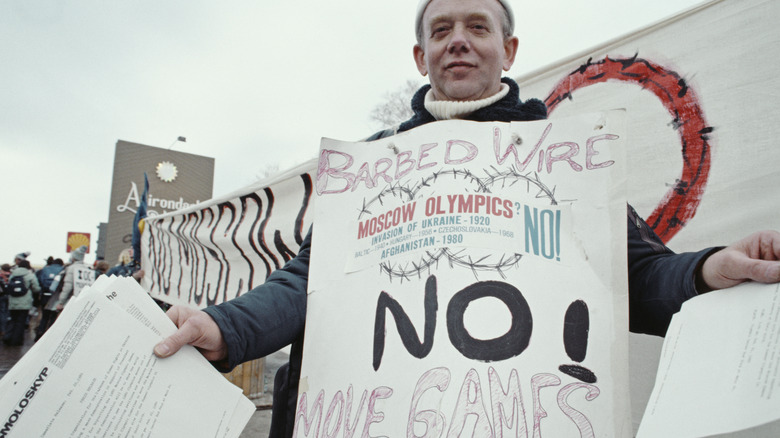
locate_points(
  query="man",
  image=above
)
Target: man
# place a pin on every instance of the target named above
(463, 46)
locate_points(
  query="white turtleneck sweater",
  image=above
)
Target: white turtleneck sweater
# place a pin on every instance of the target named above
(450, 109)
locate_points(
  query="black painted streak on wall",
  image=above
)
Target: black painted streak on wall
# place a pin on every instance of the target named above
(239, 248)
(257, 236)
(205, 288)
(286, 252)
(250, 236)
(213, 254)
(307, 192)
(153, 254)
(224, 265)
(184, 252)
(261, 234)
(194, 221)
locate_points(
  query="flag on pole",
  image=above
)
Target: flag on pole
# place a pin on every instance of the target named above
(138, 222)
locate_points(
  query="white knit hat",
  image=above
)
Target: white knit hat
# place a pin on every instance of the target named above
(424, 4)
(77, 255)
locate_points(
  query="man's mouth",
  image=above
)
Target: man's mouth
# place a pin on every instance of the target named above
(459, 64)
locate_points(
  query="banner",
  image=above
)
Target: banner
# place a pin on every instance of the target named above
(218, 250)
(475, 283)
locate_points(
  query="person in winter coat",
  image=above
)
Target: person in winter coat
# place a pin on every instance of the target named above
(101, 267)
(19, 307)
(77, 276)
(5, 273)
(126, 267)
(123, 268)
(46, 277)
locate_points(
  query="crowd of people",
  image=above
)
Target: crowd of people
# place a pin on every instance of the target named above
(32, 298)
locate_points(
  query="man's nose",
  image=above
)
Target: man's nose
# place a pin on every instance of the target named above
(459, 40)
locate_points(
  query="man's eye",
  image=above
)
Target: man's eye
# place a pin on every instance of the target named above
(439, 30)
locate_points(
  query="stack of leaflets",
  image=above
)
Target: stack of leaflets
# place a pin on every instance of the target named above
(719, 371)
(94, 374)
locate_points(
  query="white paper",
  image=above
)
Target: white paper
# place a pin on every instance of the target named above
(720, 366)
(94, 374)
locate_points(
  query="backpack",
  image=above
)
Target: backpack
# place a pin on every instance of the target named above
(57, 283)
(17, 287)
(46, 279)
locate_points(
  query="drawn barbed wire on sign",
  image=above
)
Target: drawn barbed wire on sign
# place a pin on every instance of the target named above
(458, 259)
(405, 192)
(454, 259)
(511, 177)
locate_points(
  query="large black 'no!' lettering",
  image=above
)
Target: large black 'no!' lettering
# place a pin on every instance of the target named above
(511, 344)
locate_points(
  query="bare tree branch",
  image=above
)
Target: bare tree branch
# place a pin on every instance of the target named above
(397, 106)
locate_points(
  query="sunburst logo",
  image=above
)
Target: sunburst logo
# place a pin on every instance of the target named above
(76, 240)
(167, 171)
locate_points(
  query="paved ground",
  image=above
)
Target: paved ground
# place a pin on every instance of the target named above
(258, 425)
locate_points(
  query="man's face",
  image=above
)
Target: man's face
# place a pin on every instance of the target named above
(463, 48)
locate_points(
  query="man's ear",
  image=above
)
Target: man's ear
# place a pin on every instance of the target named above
(510, 50)
(419, 59)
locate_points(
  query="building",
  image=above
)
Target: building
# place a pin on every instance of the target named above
(176, 180)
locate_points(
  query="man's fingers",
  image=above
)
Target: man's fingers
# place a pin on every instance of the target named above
(195, 328)
(186, 334)
(739, 268)
(162, 349)
(765, 271)
(769, 245)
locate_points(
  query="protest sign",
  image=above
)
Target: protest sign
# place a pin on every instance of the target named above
(473, 283)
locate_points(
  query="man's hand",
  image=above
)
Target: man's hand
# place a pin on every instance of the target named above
(195, 328)
(752, 258)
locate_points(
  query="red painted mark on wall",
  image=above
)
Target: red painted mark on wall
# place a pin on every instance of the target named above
(681, 201)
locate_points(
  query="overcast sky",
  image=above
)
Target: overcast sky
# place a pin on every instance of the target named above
(250, 83)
